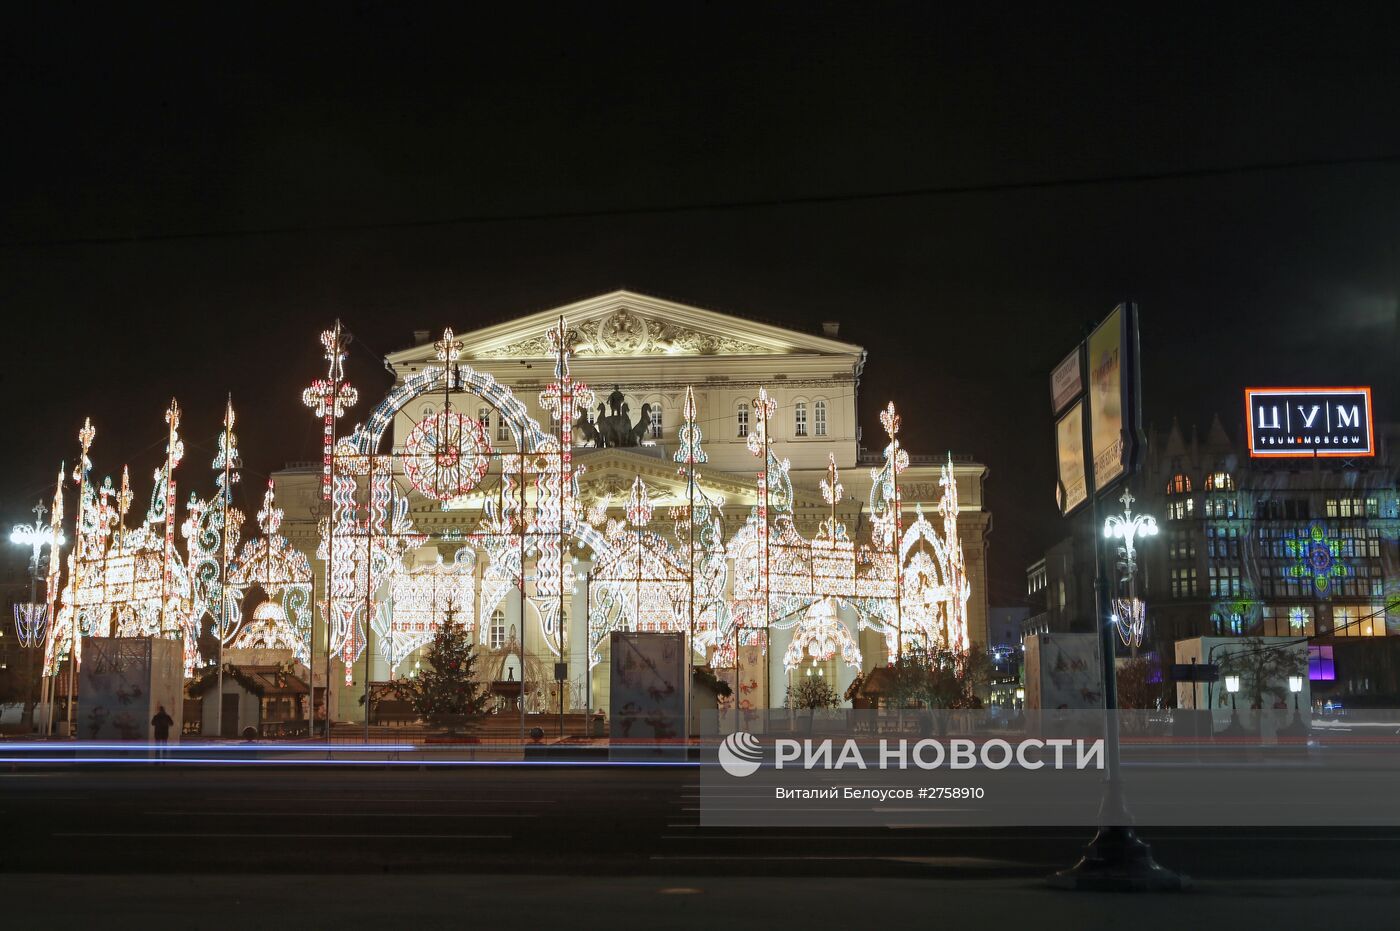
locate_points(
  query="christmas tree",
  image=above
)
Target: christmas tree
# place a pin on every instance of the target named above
(446, 685)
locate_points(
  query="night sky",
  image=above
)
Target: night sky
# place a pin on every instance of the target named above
(190, 196)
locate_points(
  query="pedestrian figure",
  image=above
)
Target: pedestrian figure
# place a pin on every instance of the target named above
(160, 726)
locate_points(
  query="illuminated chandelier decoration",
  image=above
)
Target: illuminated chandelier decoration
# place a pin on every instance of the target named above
(283, 573)
(819, 636)
(420, 599)
(31, 622)
(1317, 559)
(1129, 616)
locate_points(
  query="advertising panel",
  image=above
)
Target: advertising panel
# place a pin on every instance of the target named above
(1069, 457)
(1105, 349)
(647, 687)
(1308, 422)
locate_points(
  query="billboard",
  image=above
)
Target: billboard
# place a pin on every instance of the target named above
(1069, 459)
(1105, 347)
(123, 680)
(647, 687)
(1309, 422)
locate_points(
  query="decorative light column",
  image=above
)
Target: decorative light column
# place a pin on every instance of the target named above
(1129, 614)
(329, 398)
(31, 618)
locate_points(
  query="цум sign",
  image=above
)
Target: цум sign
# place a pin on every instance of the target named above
(1309, 422)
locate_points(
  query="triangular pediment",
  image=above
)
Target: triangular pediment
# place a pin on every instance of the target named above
(624, 324)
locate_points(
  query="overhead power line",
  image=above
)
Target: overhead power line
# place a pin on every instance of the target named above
(721, 206)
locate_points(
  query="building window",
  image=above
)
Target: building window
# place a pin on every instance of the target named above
(1220, 507)
(1350, 507)
(1358, 621)
(1179, 484)
(483, 417)
(1322, 667)
(1224, 581)
(498, 629)
(655, 414)
(743, 420)
(1227, 623)
(1183, 544)
(1183, 582)
(1219, 481)
(1223, 542)
(502, 429)
(819, 418)
(1287, 621)
(799, 419)
(1181, 508)
(427, 411)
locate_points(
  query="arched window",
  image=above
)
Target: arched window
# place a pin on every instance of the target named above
(743, 419)
(498, 629)
(819, 418)
(799, 419)
(1179, 484)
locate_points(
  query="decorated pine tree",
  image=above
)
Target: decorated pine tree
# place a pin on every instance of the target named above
(446, 685)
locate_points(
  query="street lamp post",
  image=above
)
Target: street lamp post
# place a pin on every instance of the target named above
(36, 536)
(1130, 617)
(1232, 685)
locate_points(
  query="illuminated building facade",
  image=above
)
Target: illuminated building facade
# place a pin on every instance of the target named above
(627, 462)
(1275, 547)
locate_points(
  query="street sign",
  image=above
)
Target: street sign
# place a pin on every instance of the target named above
(1065, 384)
(1195, 672)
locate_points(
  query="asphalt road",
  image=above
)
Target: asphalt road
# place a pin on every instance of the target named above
(579, 822)
(733, 903)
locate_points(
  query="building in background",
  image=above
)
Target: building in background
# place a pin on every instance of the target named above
(1305, 548)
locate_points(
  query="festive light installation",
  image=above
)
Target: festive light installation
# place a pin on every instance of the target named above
(283, 573)
(698, 529)
(419, 601)
(820, 635)
(558, 513)
(1129, 616)
(32, 618)
(640, 582)
(330, 397)
(125, 582)
(446, 455)
(361, 546)
(212, 530)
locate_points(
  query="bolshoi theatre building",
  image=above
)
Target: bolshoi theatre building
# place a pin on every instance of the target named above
(620, 464)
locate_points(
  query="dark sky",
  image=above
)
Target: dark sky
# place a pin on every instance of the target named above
(139, 143)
